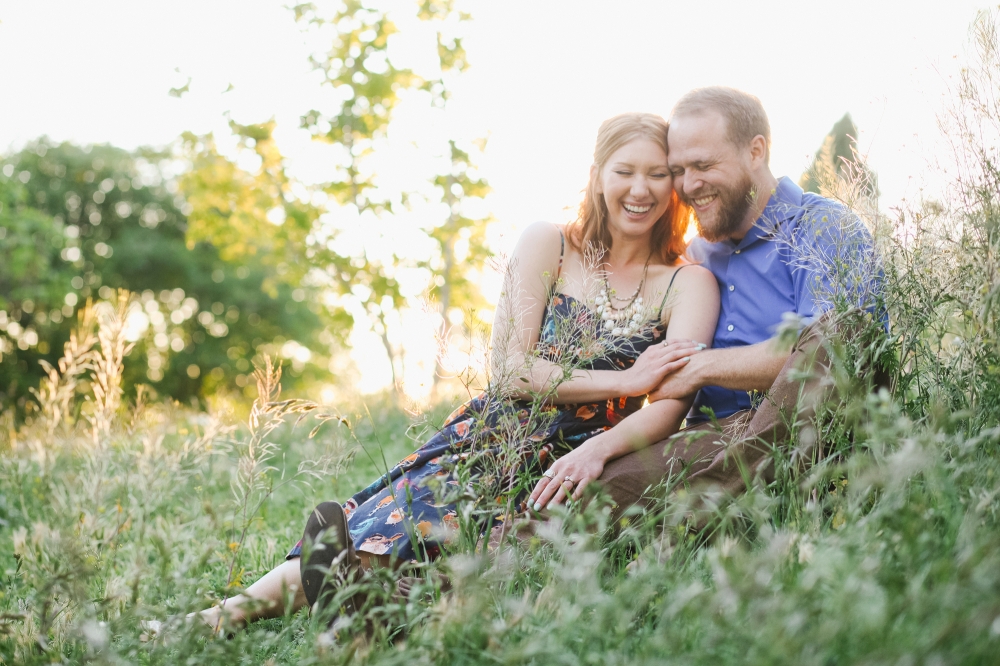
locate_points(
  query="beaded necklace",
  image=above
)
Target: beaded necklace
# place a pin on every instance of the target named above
(626, 320)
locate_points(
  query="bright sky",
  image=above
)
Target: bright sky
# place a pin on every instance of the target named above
(544, 74)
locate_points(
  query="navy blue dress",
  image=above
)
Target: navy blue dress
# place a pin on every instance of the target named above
(503, 444)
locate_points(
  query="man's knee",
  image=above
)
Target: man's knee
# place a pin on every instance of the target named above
(628, 479)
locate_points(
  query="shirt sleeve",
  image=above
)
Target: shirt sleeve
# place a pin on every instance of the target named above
(834, 263)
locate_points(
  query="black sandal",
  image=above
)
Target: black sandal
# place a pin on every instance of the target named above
(332, 558)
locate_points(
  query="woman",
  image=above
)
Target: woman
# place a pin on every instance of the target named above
(592, 347)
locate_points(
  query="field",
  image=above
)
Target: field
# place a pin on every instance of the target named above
(884, 551)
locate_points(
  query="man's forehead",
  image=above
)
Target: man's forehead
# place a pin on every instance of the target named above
(707, 124)
(695, 149)
(704, 114)
(697, 135)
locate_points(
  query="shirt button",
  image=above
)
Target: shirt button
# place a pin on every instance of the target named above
(729, 328)
(732, 287)
(737, 251)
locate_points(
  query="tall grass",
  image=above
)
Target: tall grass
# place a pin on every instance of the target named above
(885, 550)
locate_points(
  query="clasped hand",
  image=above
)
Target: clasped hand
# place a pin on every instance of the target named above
(572, 473)
(677, 384)
(657, 363)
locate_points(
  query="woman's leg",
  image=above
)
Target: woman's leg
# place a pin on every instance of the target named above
(264, 599)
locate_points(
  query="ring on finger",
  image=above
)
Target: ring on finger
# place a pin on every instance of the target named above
(548, 474)
(569, 478)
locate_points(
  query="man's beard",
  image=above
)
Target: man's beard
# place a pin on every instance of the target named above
(734, 204)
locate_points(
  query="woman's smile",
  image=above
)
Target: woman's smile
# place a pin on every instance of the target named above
(637, 211)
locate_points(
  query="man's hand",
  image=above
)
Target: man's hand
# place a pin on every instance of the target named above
(682, 383)
(656, 363)
(749, 368)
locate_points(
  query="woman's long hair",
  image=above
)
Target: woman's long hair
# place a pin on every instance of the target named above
(591, 226)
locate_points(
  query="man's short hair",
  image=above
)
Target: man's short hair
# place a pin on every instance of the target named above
(743, 113)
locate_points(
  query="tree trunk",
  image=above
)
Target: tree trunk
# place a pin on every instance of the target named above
(397, 377)
(448, 254)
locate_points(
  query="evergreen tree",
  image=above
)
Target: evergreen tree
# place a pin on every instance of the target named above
(837, 158)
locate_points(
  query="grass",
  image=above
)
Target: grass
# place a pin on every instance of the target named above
(887, 551)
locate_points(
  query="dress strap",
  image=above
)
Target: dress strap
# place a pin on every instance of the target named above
(659, 314)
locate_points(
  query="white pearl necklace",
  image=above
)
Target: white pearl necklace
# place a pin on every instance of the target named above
(623, 322)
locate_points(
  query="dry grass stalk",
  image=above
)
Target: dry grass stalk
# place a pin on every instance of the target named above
(254, 483)
(55, 392)
(108, 365)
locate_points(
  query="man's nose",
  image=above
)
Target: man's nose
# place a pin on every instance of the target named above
(688, 183)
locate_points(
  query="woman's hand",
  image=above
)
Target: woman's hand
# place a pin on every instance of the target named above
(568, 476)
(654, 364)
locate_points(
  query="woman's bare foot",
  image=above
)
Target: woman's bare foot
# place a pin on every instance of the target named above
(156, 629)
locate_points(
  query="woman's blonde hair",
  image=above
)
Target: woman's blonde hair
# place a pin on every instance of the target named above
(591, 226)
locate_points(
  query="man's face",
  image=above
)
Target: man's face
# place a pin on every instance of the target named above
(711, 175)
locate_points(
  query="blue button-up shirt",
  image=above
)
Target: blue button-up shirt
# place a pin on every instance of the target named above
(789, 262)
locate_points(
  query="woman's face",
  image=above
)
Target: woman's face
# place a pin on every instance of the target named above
(636, 185)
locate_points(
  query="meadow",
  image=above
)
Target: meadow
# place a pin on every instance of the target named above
(885, 550)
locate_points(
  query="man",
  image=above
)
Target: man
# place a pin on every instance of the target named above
(779, 256)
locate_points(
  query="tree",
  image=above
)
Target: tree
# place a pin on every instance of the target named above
(462, 249)
(359, 68)
(34, 279)
(83, 221)
(250, 216)
(453, 276)
(837, 157)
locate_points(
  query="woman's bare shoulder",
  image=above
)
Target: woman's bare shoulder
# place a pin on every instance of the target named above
(546, 232)
(540, 241)
(683, 275)
(694, 276)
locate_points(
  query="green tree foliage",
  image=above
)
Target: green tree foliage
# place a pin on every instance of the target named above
(251, 216)
(452, 57)
(460, 237)
(34, 280)
(462, 252)
(359, 68)
(81, 221)
(837, 157)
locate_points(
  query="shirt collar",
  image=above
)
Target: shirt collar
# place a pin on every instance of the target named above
(784, 203)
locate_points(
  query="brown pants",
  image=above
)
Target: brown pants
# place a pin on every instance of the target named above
(726, 455)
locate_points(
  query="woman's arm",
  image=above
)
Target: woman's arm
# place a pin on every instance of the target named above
(517, 326)
(693, 314)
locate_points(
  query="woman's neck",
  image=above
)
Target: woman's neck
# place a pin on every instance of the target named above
(628, 251)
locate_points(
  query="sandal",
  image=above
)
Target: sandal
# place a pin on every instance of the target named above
(332, 559)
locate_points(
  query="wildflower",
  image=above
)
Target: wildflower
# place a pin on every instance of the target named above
(20, 541)
(806, 551)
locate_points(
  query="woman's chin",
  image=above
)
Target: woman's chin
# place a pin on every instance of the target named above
(633, 227)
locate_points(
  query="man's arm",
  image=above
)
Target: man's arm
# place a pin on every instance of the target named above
(749, 368)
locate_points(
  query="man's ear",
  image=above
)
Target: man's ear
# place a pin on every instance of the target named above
(595, 178)
(758, 152)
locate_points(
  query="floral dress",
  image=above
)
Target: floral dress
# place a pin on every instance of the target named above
(503, 444)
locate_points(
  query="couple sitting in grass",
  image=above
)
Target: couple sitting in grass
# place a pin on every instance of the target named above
(601, 317)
